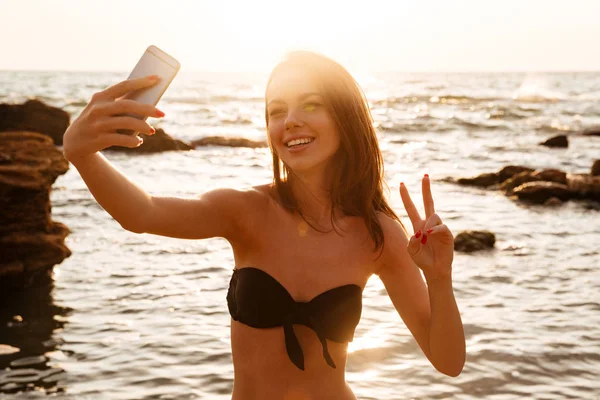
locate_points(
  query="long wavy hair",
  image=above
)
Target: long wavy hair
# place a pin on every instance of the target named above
(357, 167)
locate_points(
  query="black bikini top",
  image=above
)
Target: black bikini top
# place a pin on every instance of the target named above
(258, 300)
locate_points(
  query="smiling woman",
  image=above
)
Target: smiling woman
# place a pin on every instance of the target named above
(304, 245)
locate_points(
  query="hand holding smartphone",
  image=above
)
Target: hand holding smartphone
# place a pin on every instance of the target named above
(154, 61)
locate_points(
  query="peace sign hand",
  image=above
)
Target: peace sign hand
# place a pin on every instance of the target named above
(432, 245)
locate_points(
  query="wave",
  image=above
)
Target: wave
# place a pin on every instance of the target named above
(214, 99)
(433, 124)
(536, 98)
(507, 113)
(435, 99)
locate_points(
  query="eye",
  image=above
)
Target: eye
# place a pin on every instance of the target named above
(310, 106)
(275, 112)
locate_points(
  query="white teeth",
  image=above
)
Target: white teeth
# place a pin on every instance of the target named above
(299, 141)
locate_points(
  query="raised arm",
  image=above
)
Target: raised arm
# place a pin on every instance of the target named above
(217, 213)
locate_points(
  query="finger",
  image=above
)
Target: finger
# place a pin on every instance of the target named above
(439, 229)
(414, 245)
(442, 232)
(116, 139)
(115, 123)
(413, 214)
(126, 106)
(427, 197)
(432, 221)
(124, 87)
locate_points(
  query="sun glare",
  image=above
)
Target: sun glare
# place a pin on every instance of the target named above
(258, 33)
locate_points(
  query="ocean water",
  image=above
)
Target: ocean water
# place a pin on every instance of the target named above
(144, 317)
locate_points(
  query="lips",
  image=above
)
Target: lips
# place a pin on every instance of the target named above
(299, 138)
(299, 147)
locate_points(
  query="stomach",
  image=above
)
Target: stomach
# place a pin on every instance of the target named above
(263, 370)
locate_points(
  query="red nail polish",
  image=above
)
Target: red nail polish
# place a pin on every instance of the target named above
(418, 234)
(429, 230)
(152, 131)
(160, 113)
(401, 183)
(427, 175)
(424, 241)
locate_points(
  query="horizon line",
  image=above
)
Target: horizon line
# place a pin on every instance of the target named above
(515, 71)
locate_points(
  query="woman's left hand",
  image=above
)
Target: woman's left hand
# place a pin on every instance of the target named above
(432, 245)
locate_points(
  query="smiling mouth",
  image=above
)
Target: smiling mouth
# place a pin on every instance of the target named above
(299, 142)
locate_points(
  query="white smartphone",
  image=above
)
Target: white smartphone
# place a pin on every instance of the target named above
(154, 61)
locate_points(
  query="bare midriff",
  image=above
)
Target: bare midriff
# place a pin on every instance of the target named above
(263, 370)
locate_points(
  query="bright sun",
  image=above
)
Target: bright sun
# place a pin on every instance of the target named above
(258, 33)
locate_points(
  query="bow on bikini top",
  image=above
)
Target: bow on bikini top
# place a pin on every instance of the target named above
(258, 300)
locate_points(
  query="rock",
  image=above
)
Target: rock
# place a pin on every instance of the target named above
(550, 175)
(516, 181)
(228, 141)
(556, 141)
(469, 241)
(539, 192)
(35, 116)
(491, 179)
(511, 170)
(30, 242)
(553, 201)
(158, 142)
(596, 168)
(483, 180)
(584, 186)
(592, 131)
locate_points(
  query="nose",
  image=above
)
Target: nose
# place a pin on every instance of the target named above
(292, 121)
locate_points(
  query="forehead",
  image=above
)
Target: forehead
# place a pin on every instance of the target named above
(289, 83)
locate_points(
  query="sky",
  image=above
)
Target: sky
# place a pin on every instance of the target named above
(251, 35)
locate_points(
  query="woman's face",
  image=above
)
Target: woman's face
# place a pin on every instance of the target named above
(300, 127)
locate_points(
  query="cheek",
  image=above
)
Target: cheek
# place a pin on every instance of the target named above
(326, 127)
(275, 130)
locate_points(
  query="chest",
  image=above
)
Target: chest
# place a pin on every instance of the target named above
(307, 262)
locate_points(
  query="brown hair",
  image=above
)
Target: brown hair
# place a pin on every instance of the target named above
(357, 185)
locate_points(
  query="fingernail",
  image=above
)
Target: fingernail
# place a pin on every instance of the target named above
(140, 141)
(153, 77)
(159, 113)
(429, 230)
(152, 131)
(418, 234)
(427, 175)
(424, 239)
(401, 183)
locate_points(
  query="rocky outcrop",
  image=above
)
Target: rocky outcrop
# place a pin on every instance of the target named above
(547, 186)
(549, 175)
(30, 242)
(539, 192)
(228, 141)
(592, 131)
(596, 168)
(491, 179)
(156, 143)
(470, 241)
(556, 141)
(35, 116)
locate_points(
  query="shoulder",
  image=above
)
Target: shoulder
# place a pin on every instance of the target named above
(252, 205)
(243, 200)
(396, 239)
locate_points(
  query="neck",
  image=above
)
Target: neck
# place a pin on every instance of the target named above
(313, 194)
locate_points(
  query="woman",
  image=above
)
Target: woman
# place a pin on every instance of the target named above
(305, 245)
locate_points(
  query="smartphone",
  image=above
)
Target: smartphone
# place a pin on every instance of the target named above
(154, 61)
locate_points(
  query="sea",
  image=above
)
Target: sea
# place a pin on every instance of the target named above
(138, 316)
